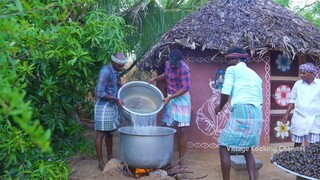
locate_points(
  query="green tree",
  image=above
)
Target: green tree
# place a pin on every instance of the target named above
(311, 12)
(50, 54)
(308, 10)
(151, 18)
(283, 2)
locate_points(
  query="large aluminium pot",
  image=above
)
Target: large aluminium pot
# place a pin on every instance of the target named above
(140, 98)
(149, 147)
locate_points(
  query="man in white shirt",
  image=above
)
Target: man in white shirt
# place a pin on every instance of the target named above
(305, 100)
(243, 129)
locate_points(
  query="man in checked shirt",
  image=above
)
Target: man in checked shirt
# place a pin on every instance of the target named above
(177, 110)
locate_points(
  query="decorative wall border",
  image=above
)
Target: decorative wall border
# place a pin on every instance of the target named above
(267, 77)
(206, 59)
(203, 145)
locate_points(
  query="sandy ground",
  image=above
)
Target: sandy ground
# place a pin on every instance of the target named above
(199, 163)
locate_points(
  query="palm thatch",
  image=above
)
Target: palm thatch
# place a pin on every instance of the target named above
(256, 25)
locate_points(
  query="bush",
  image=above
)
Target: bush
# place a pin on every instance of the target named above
(50, 54)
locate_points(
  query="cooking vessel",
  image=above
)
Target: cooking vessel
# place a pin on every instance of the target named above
(140, 98)
(146, 147)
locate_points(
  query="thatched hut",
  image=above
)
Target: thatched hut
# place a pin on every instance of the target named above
(277, 39)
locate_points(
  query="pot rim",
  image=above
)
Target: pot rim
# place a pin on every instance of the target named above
(145, 83)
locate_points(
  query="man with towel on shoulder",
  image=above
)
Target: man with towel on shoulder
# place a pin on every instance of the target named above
(177, 110)
(243, 129)
(305, 100)
(106, 114)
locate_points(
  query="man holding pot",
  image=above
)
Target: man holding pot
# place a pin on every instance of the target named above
(177, 110)
(106, 111)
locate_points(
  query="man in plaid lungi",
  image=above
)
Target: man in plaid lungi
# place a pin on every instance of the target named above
(243, 129)
(177, 110)
(106, 113)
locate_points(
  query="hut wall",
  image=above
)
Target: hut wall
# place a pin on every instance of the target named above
(206, 127)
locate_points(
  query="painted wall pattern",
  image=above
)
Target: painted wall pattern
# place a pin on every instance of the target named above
(282, 95)
(205, 121)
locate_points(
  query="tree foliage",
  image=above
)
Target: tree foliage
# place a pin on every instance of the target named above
(308, 10)
(311, 12)
(283, 2)
(50, 54)
(151, 18)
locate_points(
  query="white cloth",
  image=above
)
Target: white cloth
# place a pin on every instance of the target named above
(306, 116)
(315, 129)
(302, 125)
(306, 97)
(119, 61)
(236, 78)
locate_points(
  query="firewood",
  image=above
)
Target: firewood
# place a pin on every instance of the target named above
(199, 177)
(175, 163)
(176, 171)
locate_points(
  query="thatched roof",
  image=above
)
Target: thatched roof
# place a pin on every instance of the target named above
(256, 25)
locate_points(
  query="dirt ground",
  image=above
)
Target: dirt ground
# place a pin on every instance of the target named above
(203, 165)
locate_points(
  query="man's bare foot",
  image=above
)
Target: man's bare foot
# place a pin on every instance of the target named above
(182, 164)
(109, 158)
(102, 165)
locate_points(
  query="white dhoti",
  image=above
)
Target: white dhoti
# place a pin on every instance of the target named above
(315, 129)
(302, 125)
